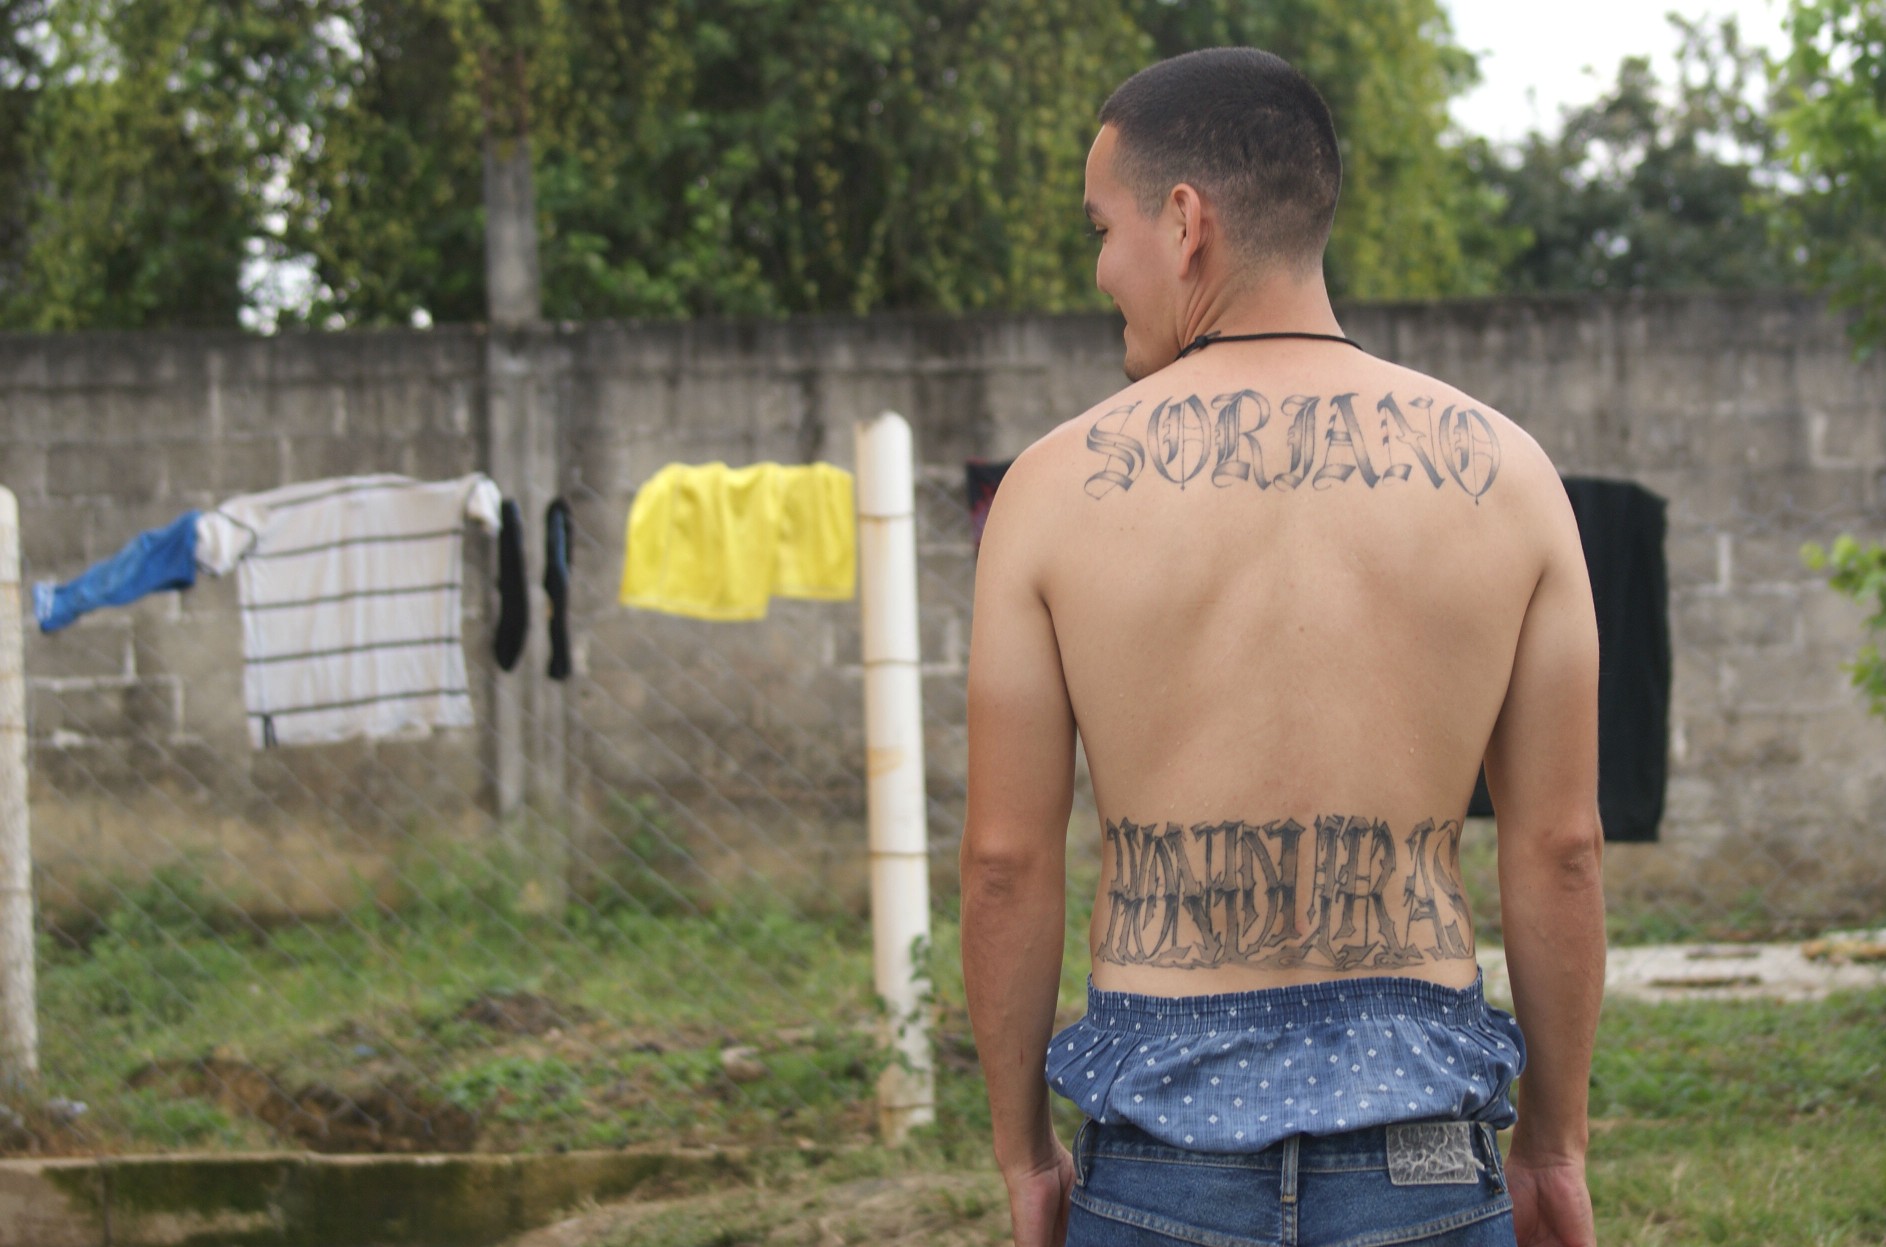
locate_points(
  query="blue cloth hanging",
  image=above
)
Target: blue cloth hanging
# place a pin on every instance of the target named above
(151, 562)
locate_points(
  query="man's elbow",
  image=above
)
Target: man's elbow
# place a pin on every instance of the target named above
(997, 866)
(1567, 851)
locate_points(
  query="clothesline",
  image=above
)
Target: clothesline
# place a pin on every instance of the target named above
(350, 588)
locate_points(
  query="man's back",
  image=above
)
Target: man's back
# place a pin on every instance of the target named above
(1291, 598)
(1294, 666)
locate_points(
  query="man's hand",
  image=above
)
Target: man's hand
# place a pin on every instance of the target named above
(1551, 1206)
(1038, 1201)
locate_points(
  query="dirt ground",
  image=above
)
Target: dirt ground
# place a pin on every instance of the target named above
(915, 1210)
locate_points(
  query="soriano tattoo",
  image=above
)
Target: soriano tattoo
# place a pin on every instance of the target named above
(1233, 440)
(1233, 893)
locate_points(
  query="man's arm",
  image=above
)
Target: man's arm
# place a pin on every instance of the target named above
(1542, 772)
(1021, 785)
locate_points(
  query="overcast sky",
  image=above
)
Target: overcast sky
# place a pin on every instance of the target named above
(1536, 57)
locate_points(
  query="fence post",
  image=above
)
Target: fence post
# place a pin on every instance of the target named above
(528, 723)
(19, 1019)
(897, 809)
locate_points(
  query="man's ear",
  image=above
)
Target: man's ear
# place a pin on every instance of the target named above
(1187, 208)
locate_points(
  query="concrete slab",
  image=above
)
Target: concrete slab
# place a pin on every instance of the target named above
(296, 1199)
(1670, 972)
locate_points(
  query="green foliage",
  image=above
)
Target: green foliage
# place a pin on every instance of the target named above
(1834, 121)
(162, 944)
(187, 1123)
(748, 157)
(1859, 572)
(517, 1088)
(137, 172)
(754, 158)
(1655, 186)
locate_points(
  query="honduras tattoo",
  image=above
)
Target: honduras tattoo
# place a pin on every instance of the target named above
(1242, 439)
(1346, 893)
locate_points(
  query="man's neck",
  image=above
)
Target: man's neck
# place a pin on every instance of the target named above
(1278, 303)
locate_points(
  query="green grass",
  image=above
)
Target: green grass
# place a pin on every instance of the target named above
(1715, 1122)
(641, 1006)
(1741, 1122)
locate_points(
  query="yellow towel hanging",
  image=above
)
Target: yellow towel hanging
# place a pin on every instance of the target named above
(712, 542)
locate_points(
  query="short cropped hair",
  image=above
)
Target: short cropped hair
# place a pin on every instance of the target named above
(1245, 129)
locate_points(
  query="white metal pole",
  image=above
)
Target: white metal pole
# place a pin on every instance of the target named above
(893, 727)
(19, 1018)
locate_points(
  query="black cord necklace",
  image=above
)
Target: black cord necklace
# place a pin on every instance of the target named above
(1204, 340)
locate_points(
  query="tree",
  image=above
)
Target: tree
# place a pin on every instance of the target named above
(1835, 123)
(780, 156)
(22, 73)
(1834, 120)
(760, 157)
(751, 157)
(151, 138)
(1655, 186)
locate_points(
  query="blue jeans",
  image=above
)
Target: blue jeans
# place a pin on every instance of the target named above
(151, 562)
(1367, 1188)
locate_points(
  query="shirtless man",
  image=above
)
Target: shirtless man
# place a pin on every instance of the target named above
(1291, 597)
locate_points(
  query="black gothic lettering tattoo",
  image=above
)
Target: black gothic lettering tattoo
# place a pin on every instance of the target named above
(1124, 455)
(1345, 434)
(1322, 442)
(1232, 893)
(1181, 438)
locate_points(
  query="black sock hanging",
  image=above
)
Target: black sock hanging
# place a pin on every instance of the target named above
(513, 602)
(557, 585)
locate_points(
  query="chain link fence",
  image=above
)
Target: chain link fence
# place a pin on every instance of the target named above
(340, 948)
(663, 937)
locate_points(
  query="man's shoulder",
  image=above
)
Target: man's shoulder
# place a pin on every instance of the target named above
(1463, 416)
(1051, 456)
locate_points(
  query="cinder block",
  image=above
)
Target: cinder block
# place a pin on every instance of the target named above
(1830, 619)
(1698, 559)
(1795, 680)
(202, 654)
(119, 471)
(1746, 618)
(1846, 436)
(631, 403)
(433, 457)
(1765, 382)
(1846, 737)
(1698, 499)
(1696, 682)
(98, 645)
(852, 397)
(94, 709)
(1689, 798)
(231, 465)
(1666, 381)
(317, 458)
(1770, 554)
(55, 537)
(1741, 742)
(1823, 494)
(316, 407)
(1755, 442)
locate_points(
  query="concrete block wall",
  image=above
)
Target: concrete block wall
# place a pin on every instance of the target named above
(1746, 413)
(140, 754)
